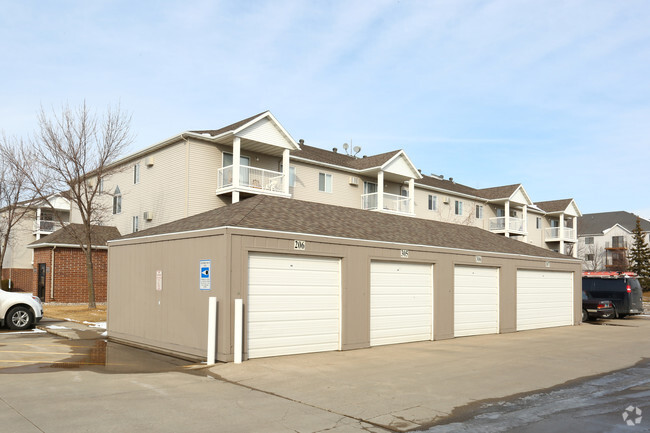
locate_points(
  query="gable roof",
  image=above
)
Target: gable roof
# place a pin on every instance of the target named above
(99, 235)
(447, 185)
(231, 127)
(498, 192)
(296, 216)
(554, 205)
(597, 223)
(329, 157)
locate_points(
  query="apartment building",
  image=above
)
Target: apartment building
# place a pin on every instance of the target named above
(605, 238)
(196, 171)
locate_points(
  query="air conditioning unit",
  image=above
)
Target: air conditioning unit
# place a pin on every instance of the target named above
(149, 161)
(148, 215)
(445, 200)
(353, 180)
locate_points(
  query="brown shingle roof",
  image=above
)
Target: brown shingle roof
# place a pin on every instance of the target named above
(447, 185)
(68, 235)
(291, 215)
(230, 127)
(329, 157)
(498, 191)
(554, 205)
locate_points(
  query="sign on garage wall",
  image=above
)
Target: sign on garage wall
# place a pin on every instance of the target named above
(159, 280)
(204, 275)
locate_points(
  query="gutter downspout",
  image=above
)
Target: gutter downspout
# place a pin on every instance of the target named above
(52, 274)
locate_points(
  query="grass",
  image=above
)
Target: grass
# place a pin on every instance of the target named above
(75, 312)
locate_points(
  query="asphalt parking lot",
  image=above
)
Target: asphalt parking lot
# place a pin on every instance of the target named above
(55, 384)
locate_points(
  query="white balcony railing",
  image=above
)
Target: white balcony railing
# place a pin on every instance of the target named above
(45, 226)
(515, 225)
(251, 177)
(392, 202)
(555, 234)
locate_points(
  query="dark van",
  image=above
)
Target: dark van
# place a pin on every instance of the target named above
(623, 290)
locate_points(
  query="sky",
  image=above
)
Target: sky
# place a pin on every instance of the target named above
(554, 95)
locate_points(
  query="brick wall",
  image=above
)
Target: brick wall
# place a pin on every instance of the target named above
(70, 274)
(20, 278)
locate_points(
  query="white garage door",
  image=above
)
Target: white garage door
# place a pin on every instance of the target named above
(401, 302)
(293, 304)
(476, 300)
(544, 299)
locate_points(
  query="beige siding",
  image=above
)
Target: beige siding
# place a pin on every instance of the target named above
(343, 194)
(175, 319)
(264, 131)
(446, 212)
(162, 189)
(18, 255)
(204, 160)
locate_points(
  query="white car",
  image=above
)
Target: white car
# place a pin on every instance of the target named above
(19, 310)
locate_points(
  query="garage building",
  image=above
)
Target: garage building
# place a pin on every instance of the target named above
(315, 277)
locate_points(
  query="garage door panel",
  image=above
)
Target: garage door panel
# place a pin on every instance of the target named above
(293, 304)
(544, 299)
(476, 300)
(401, 302)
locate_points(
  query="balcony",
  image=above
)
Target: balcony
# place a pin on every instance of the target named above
(515, 225)
(45, 226)
(555, 234)
(251, 179)
(392, 203)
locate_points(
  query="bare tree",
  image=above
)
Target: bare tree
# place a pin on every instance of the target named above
(72, 151)
(592, 259)
(14, 194)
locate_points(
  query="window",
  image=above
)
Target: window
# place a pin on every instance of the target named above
(479, 212)
(136, 174)
(618, 242)
(458, 207)
(404, 192)
(538, 221)
(135, 224)
(433, 202)
(117, 201)
(501, 212)
(292, 176)
(589, 240)
(101, 185)
(589, 257)
(324, 182)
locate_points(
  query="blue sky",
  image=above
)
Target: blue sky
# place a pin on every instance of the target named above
(551, 94)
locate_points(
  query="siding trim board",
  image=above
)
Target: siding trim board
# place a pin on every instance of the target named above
(285, 233)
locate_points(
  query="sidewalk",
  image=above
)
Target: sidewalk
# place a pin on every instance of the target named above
(71, 330)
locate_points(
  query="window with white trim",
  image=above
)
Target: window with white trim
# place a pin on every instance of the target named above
(458, 207)
(135, 224)
(589, 240)
(433, 202)
(324, 182)
(479, 211)
(136, 174)
(538, 221)
(117, 201)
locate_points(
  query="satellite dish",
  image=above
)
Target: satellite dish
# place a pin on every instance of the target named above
(356, 149)
(345, 146)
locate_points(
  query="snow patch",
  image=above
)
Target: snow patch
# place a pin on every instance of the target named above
(56, 327)
(101, 325)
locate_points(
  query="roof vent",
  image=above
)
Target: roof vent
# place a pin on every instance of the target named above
(451, 179)
(365, 156)
(334, 149)
(301, 141)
